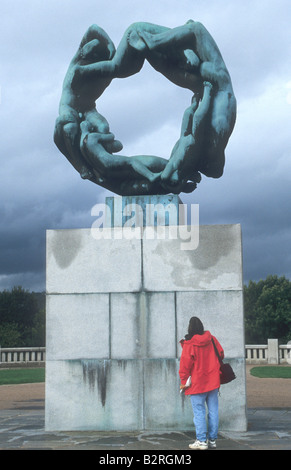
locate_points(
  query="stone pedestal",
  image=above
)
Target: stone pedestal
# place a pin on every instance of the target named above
(117, 306)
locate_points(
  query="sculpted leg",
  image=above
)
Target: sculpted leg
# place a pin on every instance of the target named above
(182, 36)
(200, 114)
(187, 151)
(221, 126)
(67, 139)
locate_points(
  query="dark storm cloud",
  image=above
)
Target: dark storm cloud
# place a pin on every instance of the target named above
(39, 189)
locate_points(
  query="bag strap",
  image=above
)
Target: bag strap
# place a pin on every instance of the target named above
(217, 353)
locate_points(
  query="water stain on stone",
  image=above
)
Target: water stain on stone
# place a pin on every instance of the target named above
(65, 246)
(122, 363)
(95, 373)
(218, 251)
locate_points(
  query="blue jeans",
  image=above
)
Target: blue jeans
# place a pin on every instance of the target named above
(198, 403)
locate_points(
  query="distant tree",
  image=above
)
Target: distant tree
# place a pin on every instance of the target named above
(17, 305)
(10, 335)
(267, 305)
(35, 336)
(22, 318)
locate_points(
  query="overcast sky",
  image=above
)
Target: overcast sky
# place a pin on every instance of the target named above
(40, 190)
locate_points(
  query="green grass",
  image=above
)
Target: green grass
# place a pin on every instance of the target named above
(271, 372)
(21, 376)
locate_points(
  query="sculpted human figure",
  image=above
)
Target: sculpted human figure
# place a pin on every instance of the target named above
(186, 152)
(196, 39)
(78, 115)
(189, 57)
(131, 54)
(196, 59)
(79, 104)
(140, 173)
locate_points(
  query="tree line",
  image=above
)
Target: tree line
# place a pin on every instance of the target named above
(22, 318)
(267, 306)
(267, 310)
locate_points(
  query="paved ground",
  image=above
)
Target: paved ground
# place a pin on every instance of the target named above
(269, 424)
(267, 393)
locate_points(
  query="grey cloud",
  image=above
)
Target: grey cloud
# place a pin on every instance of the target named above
(39, 189)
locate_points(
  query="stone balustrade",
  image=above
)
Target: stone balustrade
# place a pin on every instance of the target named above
(17, 357)
(271, 353)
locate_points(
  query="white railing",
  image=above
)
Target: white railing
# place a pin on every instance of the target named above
(21, 356)
(256, 354)
(270, 353)
(285, 353)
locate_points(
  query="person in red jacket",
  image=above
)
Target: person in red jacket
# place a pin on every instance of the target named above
(199, 361)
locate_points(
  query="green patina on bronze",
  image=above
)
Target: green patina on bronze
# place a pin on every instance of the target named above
(187, 56)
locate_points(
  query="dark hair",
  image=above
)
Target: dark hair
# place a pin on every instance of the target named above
(195, 327)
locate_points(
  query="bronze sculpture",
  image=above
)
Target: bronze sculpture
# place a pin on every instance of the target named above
(189, 57)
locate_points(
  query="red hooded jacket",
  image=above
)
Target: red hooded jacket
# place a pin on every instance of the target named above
(199, 360)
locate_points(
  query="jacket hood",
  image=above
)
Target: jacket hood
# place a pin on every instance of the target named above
(199, 340)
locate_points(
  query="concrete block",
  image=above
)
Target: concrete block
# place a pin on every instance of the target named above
(161, 326)
(216, 263)
(79, 263)
(127, 315)
(77, 326)
(232, 400)
(143, 325)
(93, 395)
(165, 408)
(175, 411)
(221, 312)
